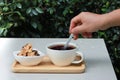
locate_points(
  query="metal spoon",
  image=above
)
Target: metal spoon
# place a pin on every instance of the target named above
(69, 39)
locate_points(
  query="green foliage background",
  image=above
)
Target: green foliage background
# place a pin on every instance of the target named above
(51, 18)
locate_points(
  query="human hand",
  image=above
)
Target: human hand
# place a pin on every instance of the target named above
(85, 23)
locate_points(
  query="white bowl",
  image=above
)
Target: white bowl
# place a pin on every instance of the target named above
(29, 60)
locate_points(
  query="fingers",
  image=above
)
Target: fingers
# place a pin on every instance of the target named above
(78, 29)
(87, 35)
(75, 36)
(72, 25)
(74, 22)
(78, 26)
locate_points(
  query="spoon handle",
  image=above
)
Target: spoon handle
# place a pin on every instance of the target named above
(70, 37)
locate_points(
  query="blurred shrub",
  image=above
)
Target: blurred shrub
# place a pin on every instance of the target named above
(51, 18)
(36, 18)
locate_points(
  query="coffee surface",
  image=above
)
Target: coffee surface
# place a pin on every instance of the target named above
(61, 47)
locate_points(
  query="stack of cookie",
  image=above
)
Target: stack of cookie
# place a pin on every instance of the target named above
(27, 50)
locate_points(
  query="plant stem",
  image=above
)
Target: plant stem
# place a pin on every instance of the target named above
(8, 13)
(5, 1)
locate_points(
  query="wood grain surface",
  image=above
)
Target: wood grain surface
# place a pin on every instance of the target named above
(46, 66)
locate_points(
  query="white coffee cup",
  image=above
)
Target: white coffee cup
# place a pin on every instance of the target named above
(63, 57)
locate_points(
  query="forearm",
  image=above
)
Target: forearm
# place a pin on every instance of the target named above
(111, 19)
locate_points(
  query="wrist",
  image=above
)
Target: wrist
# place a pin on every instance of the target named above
(111, 19)
(106, 21)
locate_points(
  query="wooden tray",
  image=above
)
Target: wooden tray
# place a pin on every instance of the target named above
(46, 66)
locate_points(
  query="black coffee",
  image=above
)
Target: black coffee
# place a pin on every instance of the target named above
(61, 47)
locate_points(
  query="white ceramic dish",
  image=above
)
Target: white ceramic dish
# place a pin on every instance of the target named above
(64, 57)
(29, 60)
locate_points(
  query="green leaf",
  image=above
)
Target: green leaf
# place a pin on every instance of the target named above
(5, 8)
(51, 10)
(34, 12)
(65, 12)
(34, 24)
(28, 11)
(8, 25)
(103, 9)
(10, 17)
(22, 18)
(107, 4)
(39, 10)
(0, 18)
(19, 5)
(102, 34)
(71, 11)
(20, 15)
(2, 3)
(39, 1)
(1, 31)
(47, 1)
(5, 32)
(115, 37)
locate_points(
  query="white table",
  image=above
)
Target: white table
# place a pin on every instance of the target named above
(96, 56)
